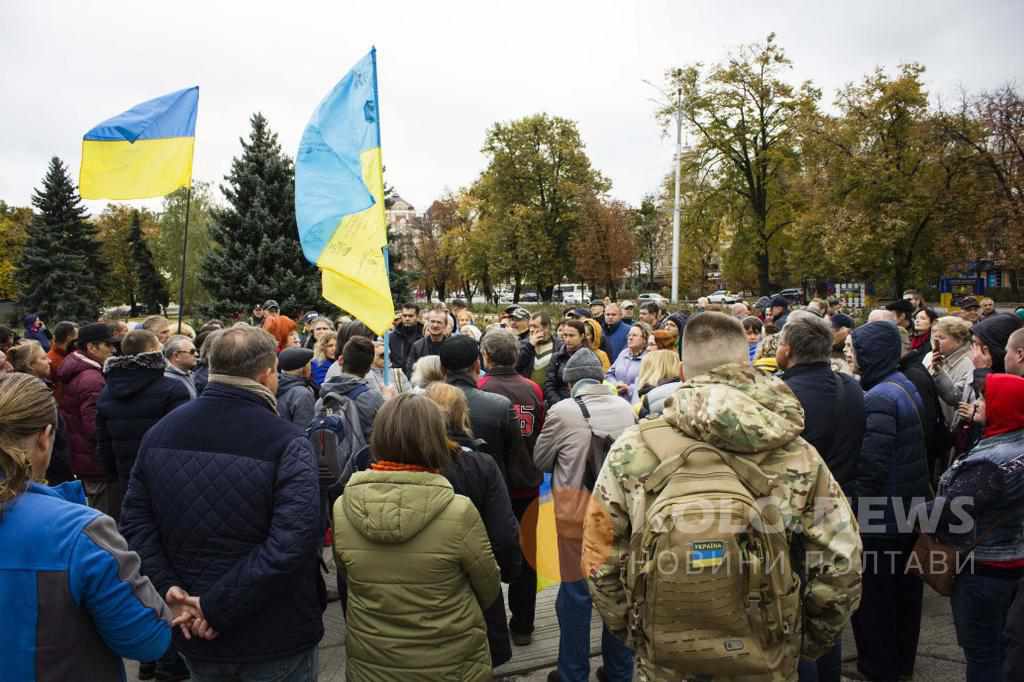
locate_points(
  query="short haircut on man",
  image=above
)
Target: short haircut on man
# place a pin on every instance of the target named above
(651, 307)
(242, 352)
(711, 340)
(501, 348)
(1016, 340)
(155, 323)
(543, 319)
(411, 306)
(809, 338)
(139, 341)
(64, 331)
(357, 356)
(175, 344)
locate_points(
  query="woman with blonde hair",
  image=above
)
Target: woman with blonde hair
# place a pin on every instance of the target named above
(592, 340)
(657, 367)
(421, 574)
(28, 357)
(475, 474)
(72, 586)
(325, 352)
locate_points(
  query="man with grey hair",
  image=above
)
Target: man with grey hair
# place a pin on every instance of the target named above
(224, 501)
(833, 420)
(182, 356)
(500, 351)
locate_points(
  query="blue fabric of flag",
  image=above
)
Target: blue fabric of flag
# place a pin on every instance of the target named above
(328, 174)
(172, 115)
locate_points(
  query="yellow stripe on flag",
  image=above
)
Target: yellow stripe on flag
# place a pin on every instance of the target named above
(117, 169)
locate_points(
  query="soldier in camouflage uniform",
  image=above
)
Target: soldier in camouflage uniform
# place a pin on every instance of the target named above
(749, 415)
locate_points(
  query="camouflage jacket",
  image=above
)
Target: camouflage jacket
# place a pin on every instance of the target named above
(739, 411)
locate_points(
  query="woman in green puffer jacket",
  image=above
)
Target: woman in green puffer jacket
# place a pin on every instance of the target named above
(419, 566)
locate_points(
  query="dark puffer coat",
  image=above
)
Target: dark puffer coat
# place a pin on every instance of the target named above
(136, 397)
(833, 421)
(893, 462)
(224, 501)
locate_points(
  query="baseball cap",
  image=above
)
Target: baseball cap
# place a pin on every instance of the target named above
(628, 304)
(270, 303)
(310, 316)
(293, 358)
(519, 314)
(969, 302)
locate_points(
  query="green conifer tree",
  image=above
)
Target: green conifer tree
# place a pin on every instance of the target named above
(61, 270)
(256, 253)
(152, 287)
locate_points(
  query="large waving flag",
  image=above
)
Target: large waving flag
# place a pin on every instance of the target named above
(143, 152)
(339, 197)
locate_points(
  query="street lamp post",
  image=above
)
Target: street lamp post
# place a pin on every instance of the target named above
(676, 206)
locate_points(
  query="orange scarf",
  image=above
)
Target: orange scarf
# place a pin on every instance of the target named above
(388, 465)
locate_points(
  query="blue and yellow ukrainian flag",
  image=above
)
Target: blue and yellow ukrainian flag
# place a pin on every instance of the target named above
(339, 197)
(144, 152)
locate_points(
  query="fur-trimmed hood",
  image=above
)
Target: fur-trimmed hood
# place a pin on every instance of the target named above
(128, 375)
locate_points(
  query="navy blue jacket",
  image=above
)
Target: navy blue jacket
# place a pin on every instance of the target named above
(893, 462)
(224, 501)
(136, 396)
(833, 421)
(616, 335)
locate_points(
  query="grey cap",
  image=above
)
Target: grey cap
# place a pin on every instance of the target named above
(583, 364)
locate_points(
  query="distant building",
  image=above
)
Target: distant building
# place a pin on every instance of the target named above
(401, 217)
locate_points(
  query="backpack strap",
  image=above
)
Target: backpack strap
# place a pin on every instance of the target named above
(583, 408)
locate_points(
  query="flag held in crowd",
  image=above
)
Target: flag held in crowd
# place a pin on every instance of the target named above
(339, 197)
(143, 152)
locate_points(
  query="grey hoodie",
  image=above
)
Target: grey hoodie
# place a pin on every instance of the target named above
(367, 403)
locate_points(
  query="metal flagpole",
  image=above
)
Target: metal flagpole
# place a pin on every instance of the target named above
(184, 252)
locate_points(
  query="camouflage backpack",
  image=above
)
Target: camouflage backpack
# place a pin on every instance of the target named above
(713, 587)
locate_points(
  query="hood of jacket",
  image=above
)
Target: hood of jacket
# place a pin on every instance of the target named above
(392, 507)
(738, 409)
(286, 383)
(129, 375)
(595, 327)
(342, 383)
(1004, 404)
(877, 346)
(75, 364)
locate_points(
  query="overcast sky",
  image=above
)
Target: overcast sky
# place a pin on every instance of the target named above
(448, 70)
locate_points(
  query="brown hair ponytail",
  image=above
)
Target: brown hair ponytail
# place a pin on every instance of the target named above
(26, 408)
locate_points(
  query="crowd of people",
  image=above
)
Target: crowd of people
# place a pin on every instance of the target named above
(732, 487)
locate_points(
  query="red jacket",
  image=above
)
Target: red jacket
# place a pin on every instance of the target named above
(83, 381)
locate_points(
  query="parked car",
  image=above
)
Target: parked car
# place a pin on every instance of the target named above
(794, 296)
(529, 297)
(650, 296)
(722, 296)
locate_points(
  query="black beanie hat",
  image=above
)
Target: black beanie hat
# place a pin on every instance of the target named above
(994, 332)
(459, 353)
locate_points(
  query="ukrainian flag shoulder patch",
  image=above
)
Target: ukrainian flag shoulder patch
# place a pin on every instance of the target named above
(709, 554)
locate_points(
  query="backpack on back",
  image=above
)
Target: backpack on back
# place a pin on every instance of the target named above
(336, 434)
(714, 591)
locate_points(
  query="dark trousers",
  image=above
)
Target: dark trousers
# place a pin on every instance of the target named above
(888, 623)
(828, 668)
(522, 592)
(980, 606)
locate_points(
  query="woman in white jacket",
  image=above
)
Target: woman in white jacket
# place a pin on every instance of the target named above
(951, 367)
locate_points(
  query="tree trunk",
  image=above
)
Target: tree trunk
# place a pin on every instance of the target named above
(763, 271)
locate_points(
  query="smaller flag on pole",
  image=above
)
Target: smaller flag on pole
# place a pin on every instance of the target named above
(143, 152)
(339, 197)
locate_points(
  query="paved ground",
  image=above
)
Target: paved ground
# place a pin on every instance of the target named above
(939, 659)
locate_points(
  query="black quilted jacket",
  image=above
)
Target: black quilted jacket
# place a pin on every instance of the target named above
(223, 501)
